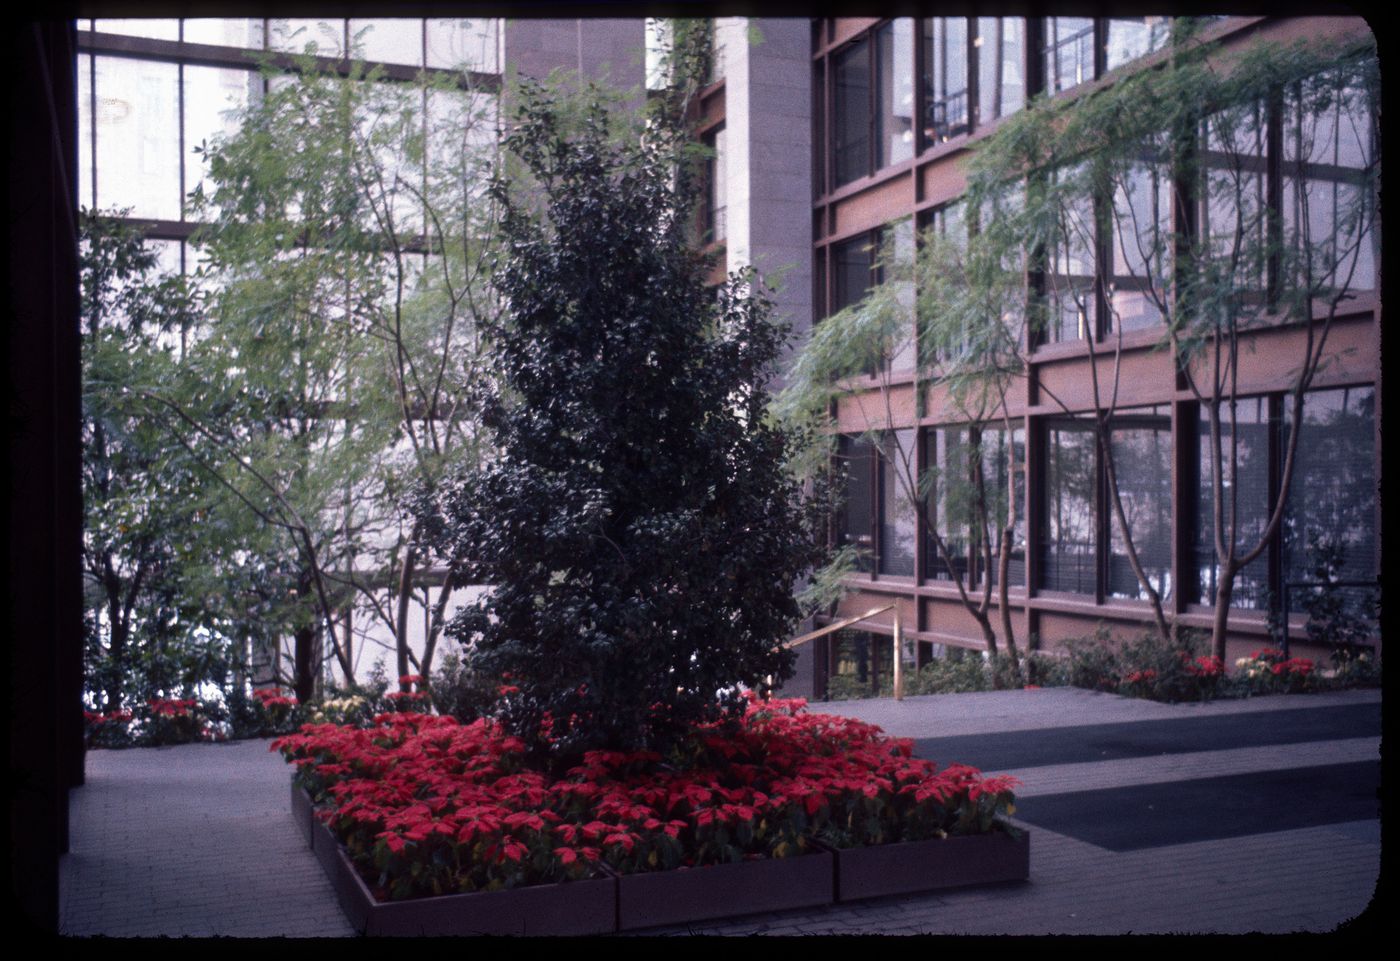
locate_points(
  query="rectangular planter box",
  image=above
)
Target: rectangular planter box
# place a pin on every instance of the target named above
(303, 812)
(930, 865)
(720, 890)
(579, 907)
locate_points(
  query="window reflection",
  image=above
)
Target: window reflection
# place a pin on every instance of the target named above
(850, 72)
(140, 27)
(895, 111)
(469, 43)
(1067, 550)
(857, 457)
(225, 32)
(945, 78)
(212, 98)
(1068, 54)
(716, 190)
(1140, 232)
(85, 131)
(954, 505)
(999, 47)
(138, 137)
(898, 518)
(325, 38)
(899, 245)
(1328, 213)
(1069, 278)
(1245, 492)
(1142, 463)
(1233, 205)
(388, 41)
(1133, 37)
(1329, 530)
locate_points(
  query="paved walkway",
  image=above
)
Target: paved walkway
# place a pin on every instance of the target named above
(197, 840)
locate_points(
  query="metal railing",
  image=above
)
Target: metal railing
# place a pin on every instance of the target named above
(898, 660)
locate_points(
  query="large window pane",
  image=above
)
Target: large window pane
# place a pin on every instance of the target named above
(1234, 203)
(857, 457)
(895, 110)
(1067, 513)
(85, 130)
(1069, 281)
(388, 41)
(213, 98)
(850, 73)
(324, 38)
(149, 28)
(391, 121)
(1140, 229)
(1330, 527)
(138, 137)
(900, 246)
(1069, 52)
(898, 517)
(1247, 490)
(1001, 82)
(947, 225)
(853, 262)
(961, 497)
(1142, 461)
(716, 203)
(998, 457)
(949, 504)
(945, 78)
(1329, 142)
(225, 32)
(1133, 37)
(468, 43)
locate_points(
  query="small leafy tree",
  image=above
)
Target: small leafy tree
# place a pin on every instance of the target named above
(636, 527)
(141, 496)
(347, 253)
(1169, 163)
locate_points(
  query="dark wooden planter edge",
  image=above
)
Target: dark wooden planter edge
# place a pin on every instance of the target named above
(914, 866)
(303, 812)
(653, 899)
(575, 908)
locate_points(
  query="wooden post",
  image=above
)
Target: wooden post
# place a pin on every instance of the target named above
(898, 656)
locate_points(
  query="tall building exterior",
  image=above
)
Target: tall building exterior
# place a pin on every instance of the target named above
(152, 92)
(831, 137)
(895, 109)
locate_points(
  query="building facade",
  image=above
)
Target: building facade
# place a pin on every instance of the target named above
(897, 108)
(831, 138)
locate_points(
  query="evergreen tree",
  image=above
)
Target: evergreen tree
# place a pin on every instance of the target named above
(636, 526)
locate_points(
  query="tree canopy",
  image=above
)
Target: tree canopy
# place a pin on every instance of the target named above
(640, 536)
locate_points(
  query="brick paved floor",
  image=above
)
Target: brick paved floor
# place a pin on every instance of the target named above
(196, 840)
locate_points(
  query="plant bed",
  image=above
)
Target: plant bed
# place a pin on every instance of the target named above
(568, 908)
(426, 807)
(912, 866)
(720, 890)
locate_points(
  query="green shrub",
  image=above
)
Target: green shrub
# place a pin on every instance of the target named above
(1145, 666)
(1094, 663)
(460, 691)
(960, 672)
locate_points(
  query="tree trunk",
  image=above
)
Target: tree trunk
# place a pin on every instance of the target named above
(401, 618)
(1223, 592)
(1004, 596)
(304, 663)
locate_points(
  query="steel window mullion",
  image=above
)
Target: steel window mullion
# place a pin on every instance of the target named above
(180, 128)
